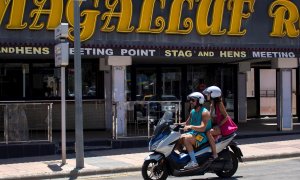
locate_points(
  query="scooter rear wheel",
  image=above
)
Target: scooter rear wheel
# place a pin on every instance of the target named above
(154, 170)
(231, 172)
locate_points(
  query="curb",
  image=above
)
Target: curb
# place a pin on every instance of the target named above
(274, 156)
(246, 136)
(75, 173)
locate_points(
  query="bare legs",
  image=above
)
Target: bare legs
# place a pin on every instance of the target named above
(213, 132)
(189, 141)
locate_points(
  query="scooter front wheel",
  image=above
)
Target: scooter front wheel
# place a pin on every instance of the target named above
(154, 170)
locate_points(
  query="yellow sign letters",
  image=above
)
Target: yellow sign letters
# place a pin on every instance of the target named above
(205, 16)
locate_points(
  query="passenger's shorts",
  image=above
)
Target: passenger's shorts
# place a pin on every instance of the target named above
(199, 136)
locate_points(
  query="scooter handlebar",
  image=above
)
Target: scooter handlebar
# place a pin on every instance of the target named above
(181, 130)
(178, 127)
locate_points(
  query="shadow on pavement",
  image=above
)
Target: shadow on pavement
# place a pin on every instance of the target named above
(272, 138)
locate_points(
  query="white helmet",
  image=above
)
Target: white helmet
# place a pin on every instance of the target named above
(196, 95)
(214, 91)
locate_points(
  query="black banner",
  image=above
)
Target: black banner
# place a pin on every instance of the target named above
(93, 52)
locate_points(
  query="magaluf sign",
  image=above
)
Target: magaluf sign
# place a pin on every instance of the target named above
(173, 28)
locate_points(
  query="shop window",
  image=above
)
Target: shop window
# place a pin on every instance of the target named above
(202, 76)
(267, 92)
(11, 77)
(149, 88)
(145, 83)
(89, 80)
(42, 81)
(171, 83)
(197, 78)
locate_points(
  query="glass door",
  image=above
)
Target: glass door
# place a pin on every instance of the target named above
(200, 77)
(267, 92)
(171, 83)
(145, 83)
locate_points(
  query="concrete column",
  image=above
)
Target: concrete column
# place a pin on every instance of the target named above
(284, 100)
(242, 91)
(284, 92)
(103, 66)
(108, 99)
(119, 64)
(242, 97)
(118, 75)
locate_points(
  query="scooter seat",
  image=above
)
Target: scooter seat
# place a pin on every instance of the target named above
(227, 137)
(223, 138)
(202, 146)
(205, 145)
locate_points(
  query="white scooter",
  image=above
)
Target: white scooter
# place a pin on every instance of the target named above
(165, 161)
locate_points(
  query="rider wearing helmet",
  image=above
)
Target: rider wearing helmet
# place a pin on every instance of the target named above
(213, 91)
(196, 125)
(218, 114)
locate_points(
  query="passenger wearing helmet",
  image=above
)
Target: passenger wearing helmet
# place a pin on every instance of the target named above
(197, 123)
(218, 114)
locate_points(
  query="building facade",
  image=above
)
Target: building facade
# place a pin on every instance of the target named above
(154, 50)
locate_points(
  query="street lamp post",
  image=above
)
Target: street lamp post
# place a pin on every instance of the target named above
(78, 90)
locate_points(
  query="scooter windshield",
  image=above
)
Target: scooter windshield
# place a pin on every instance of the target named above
(164, 122)
(167, 117)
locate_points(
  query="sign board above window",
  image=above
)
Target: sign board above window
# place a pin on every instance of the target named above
(164, 23)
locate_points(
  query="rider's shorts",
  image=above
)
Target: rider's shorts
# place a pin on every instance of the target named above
(199, 136)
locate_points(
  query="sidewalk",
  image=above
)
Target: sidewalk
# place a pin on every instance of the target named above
(124, 160)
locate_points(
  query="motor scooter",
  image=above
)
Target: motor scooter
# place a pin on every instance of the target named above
(166, 160)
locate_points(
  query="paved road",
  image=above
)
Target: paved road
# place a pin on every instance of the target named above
(131, 159)
(279, 169)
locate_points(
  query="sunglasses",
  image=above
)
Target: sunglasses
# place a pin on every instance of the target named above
(193, 100)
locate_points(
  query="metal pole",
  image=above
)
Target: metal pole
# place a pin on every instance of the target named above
(114, 125)
(63, 115)
(148, 119)
(50, 122)
(78, 89)
(6, 123)
(179, 113)
(176, 110)
(114, 121)
(24, 80)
